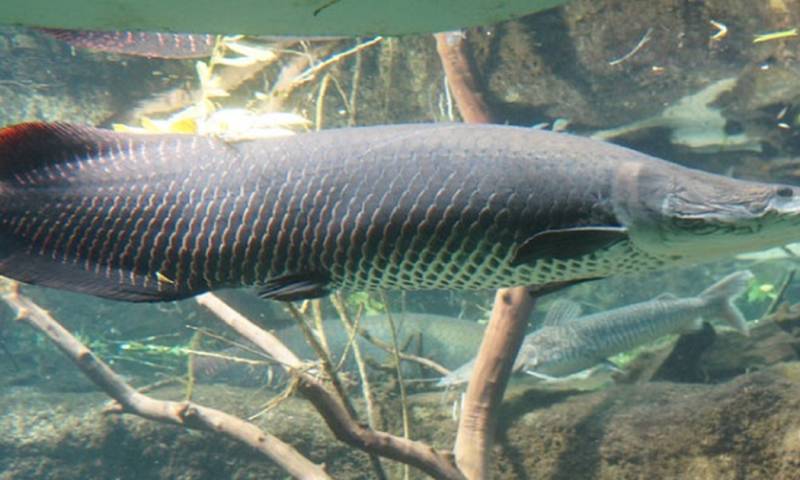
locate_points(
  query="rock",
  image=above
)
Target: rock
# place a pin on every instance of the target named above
(745, 428)
(706, 356)
(43, 79)
(739, 429)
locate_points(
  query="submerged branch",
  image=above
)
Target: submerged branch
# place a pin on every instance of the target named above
(451, 47)
(398, 367)
(128, 400)
(408, 357)
(501, 342)
(323, 353)
(352, 331)
(417, 454)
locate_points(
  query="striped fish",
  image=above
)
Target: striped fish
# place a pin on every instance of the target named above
(142, 44)
(459, 207)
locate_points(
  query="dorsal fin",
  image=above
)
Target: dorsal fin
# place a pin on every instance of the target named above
(30, 145)
(561, 311)
(26, 153)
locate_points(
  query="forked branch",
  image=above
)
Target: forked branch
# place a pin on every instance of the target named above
(128, 400)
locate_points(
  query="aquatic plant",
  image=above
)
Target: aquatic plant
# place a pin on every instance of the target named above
(758, 291)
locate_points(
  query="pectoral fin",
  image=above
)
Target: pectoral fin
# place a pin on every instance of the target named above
(568, 243)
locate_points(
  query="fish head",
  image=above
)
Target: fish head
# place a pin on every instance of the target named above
(542, 352)
(687, 214)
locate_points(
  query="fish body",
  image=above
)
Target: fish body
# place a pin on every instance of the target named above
(409, 207)
(143, 44)
(447, 341)
(159, 44)
(570, 344)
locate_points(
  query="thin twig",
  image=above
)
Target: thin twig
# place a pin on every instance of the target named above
(324, 359)
(354, 84)
(186, 414)
(387, 61)
(398, 367)
(319, 111)
(194, 343)
(642, 42)
(316, 310)
(425, 362)
(377, 466)
(437, 464)
(285, 83)
(312, 71)
(352, 331)
(351, 335)
(158, 384)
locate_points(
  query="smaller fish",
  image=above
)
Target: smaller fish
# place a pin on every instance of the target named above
(568, 343)
(142, 44)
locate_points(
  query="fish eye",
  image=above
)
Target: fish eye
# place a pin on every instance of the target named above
(785, 192)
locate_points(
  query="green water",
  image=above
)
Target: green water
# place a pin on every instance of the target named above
(684, 81)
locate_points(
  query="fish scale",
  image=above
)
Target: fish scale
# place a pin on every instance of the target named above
(160, 217)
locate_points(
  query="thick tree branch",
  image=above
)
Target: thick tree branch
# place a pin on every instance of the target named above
(451, 47)
(501, 342)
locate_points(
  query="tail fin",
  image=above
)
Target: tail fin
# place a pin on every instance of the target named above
(721, 295)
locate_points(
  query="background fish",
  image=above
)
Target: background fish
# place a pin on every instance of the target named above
(458, 207)
(567, 344)
(447, 341)
(143, 44)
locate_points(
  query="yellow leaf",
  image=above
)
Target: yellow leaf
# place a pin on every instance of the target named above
(183, 125)
(150, 125)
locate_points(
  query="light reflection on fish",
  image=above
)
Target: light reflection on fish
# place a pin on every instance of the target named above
(568, 343)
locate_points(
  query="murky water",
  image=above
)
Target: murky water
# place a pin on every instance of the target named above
(710, 85)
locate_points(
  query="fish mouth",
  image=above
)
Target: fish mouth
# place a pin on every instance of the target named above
(731, 218)
(785, 204)
(726, 233)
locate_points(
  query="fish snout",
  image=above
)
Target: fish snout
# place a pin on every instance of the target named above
(785, 201)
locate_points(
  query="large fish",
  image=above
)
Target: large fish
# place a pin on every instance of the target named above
(159, 44)
(143, 44)
(568, 343)
(441, 206)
